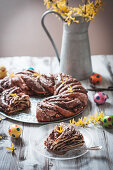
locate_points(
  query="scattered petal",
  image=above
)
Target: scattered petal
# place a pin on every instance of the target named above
(14, 95)
(70, 90)
(61, 129)
(11, 148)
(84, 121)
(37, 75)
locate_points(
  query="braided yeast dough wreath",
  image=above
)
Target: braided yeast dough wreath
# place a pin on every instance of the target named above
(68, 96)
(69, 99)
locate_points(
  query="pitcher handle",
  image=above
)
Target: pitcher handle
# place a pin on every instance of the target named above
(47, 32)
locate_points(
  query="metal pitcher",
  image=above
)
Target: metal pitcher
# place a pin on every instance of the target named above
(75, 58)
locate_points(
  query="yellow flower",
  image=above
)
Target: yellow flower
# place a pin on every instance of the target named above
(48, 5)
(12, 74)
(81, 122)
(11, 148)
(85, 121)
(101, 115)
(87, 11)
(61, 129)
(14, 95)
(70, 90)
(0, 137)
(64, 80)
(72, 122)
(95, 118)
(62, 6)
(92, 118)
(37, 75)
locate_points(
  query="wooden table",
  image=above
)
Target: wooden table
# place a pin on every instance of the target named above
(23, 157)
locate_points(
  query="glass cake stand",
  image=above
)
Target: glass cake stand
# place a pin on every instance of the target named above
(43, 133)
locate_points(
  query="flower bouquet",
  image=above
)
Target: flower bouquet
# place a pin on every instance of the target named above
(75, 58)
(87, 9)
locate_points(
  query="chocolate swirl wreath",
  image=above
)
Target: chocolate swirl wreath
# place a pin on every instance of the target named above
(68, 96)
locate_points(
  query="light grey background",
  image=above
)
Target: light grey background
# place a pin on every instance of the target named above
(21, 32)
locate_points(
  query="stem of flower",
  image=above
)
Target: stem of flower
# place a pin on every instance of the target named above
(85, 5)
(67, 2)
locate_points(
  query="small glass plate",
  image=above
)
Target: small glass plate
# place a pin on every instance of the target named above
(43, 133)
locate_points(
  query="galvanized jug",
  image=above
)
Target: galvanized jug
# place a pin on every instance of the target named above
(75, 58)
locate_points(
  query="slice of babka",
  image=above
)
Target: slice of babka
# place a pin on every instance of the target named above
(13, 100)
(63, 138)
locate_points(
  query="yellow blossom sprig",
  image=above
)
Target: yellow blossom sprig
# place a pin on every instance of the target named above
(70, 90)
(1, 119)
(11, 148)
(81, 122)
(88, 10)
(96, 118)
(64, 80)
(61, 129)
(14, 95)
(37, 75)
(12, 74)
(85, 120)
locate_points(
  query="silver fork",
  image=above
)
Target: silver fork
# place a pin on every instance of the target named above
(79, 149)
(90, 148)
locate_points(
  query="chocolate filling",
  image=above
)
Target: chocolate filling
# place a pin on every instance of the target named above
(10, 104)
(60, 105)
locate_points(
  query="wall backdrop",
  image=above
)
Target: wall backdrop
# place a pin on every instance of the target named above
(21, 32)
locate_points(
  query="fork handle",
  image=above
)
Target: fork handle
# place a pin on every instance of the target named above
(91, 148)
